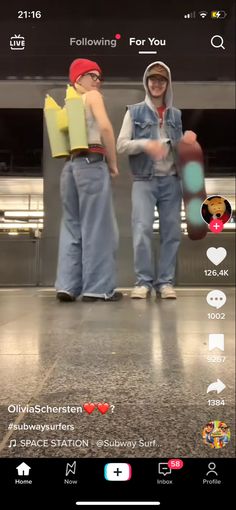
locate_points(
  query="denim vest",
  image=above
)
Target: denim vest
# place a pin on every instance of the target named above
(146, 125)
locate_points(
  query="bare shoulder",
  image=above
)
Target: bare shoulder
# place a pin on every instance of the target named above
(94, 96)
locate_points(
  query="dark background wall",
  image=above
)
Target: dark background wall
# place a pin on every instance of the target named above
(26, 94)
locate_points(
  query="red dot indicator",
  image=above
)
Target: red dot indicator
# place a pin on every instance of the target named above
(216, 226)
(175, 464)
(118, 36)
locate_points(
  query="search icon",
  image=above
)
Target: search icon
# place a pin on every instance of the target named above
(217, 41)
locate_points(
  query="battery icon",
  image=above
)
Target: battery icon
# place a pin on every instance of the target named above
(218, 14)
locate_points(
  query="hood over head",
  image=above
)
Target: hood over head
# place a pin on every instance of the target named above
(162, 69)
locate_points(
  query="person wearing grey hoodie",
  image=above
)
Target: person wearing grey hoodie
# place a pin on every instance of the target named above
(149, 133)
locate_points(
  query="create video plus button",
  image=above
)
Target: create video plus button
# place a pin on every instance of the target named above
(117, 471)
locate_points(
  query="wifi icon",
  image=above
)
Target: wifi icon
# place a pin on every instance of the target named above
(203, 14)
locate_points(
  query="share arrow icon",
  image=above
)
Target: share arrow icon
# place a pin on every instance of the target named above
(218, 386)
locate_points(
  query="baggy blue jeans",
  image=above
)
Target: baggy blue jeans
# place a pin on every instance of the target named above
(165, 193)
(89, 234)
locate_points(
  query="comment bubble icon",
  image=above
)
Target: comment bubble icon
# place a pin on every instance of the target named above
(216, 298)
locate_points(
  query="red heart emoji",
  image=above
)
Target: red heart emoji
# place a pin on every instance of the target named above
(103, 408)
(89, 407)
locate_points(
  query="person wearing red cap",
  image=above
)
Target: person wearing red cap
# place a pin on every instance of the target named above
(89, 233)
(82, 66)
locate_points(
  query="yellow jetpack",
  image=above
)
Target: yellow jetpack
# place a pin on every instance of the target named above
(66, 126)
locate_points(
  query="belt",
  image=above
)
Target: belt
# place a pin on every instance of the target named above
(90, 157)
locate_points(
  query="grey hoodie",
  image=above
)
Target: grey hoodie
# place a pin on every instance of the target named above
(125, 144)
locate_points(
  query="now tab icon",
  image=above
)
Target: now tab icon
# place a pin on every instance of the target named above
(17, 42)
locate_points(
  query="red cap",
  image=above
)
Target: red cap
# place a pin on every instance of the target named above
(81, 66)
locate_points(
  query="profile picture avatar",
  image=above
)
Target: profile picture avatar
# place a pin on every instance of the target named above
(216, 207)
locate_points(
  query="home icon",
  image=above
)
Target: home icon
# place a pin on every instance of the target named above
(23, 469)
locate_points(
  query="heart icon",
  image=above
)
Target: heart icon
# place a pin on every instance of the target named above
(103, 408)
(89, 407)
(216, 255)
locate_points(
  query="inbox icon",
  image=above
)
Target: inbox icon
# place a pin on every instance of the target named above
(163, 469)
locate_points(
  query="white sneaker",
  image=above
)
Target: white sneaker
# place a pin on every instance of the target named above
(168, 292)
(140, 292)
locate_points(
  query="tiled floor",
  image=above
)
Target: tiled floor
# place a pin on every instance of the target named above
(147, 359)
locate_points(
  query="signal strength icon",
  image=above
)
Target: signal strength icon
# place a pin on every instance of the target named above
(190, 15)
(203, 14)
